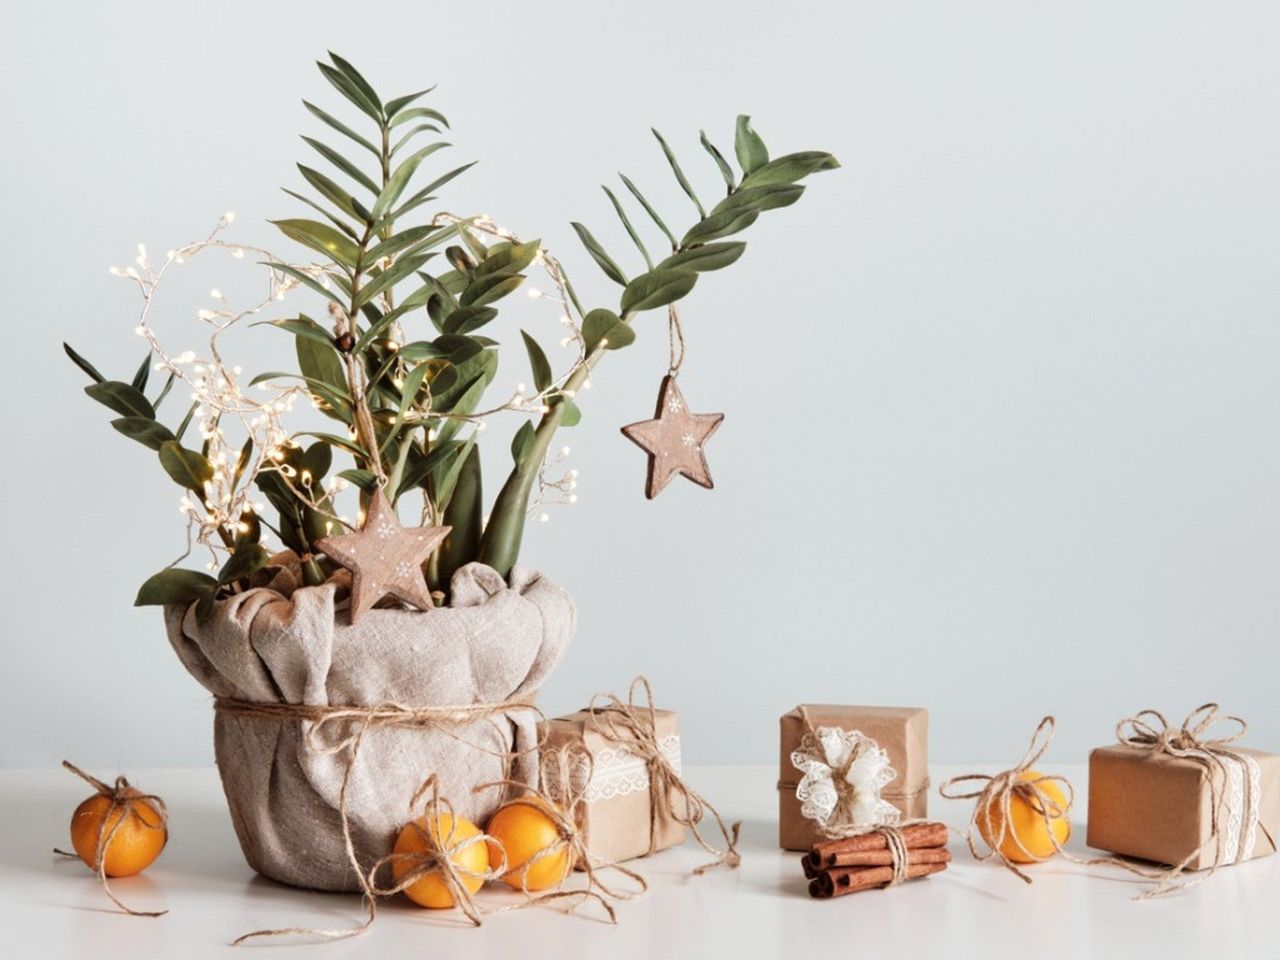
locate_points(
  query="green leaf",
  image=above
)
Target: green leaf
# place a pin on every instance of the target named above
(726, 171)
(408, 390)
(399, 242)
(680, 177)
(322, 238)
(631, 231)
(789, 169)
(242, 462)
(605, 327)
(572, 415)
(398, 180)
(305, 279)
(418, 112)
(349, 90)
(186, 422)
(366, 480)
(123, 399)
(247, 558)
(423, 195)
(487, 289)
(301, 325)
(146, 431)
(320, 362)
(316, 460)
(719, 224)
(390, 277)
(335, 194)
(656, 289)
(143, 373)
(420, 128)
(341, 127)
(164, 391)
(760, 199)
(186, 467)
(508, 259)
(538, 362)
(605, 262)
(83, 364)
(748, 146)
(521, 441)
(653, 214)
(464, 514)
(466, 319)
(709, 256)
(420, 467)
(324, 212)
(175, 586)
(343, 164)
(399, 103)
(354, 76)
(342, 443)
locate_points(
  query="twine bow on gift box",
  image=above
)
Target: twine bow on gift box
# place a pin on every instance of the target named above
(1233, 781)
(844, 772)
(632, 727)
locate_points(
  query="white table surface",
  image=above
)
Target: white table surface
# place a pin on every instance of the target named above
(52, 908)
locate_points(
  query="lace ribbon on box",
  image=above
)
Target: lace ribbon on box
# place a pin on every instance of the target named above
(615, 772)
(1240, 795)
(843, 774)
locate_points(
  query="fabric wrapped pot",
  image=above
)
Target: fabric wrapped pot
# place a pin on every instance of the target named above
(497, 641)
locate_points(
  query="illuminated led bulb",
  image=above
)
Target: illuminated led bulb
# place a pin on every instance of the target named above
(215, 293)
(229, 216)
(573, 498)
(534, 293)
(238, 253)
(564, 451)
(544, 517)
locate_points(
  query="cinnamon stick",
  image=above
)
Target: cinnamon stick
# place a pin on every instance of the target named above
(928, 834)
(884, 858)
(839, 881)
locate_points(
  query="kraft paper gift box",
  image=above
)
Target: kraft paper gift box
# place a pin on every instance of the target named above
(903, 732)
(1158, 807)
(615, 813)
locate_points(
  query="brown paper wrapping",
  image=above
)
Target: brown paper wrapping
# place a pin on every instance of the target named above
(903, 732)
(616, 822)
(1157, 807)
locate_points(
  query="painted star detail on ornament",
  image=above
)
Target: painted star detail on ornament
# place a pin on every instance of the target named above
(385, 558)
(674, 440)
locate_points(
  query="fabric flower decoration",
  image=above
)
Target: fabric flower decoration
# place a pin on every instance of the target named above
(844, 772)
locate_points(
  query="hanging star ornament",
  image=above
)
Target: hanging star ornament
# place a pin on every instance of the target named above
(385, 558)
(674, 439)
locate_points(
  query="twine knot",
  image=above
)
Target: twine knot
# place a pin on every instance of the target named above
(632, 726)
(1149, 730)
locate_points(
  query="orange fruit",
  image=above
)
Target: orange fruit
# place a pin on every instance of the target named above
(1027, 828)
(446, 832)
(136, 842)
(525, 829)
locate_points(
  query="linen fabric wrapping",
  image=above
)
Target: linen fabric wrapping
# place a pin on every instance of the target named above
(497, 641)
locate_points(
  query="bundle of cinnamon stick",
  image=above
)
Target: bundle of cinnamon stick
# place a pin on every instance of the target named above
(850, 864)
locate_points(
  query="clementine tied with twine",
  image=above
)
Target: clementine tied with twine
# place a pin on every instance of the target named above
(1020, 814)
(117, 832)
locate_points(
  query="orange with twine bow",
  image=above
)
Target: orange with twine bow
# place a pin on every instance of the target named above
(994, 814)
(126, 811)
(632, 727)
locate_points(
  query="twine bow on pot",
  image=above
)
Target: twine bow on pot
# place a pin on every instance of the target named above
(632, 726)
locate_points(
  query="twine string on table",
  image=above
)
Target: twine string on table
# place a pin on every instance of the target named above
(126, 802)
(632, 726)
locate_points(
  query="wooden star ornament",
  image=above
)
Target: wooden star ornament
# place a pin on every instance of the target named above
(674, 439)
(385, 558)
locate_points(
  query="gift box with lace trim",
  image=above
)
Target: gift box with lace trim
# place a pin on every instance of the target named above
(615, 814)
(903, 732)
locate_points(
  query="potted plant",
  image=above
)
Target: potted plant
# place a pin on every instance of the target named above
(323, 633)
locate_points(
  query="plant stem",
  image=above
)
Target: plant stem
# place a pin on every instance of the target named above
(500, 545)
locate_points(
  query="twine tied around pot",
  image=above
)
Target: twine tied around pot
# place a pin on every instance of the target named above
(126, 802)
(858, 808)
(632, 726)
(353, 722)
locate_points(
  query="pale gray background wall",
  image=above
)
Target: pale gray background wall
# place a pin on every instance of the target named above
(1002, 432)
